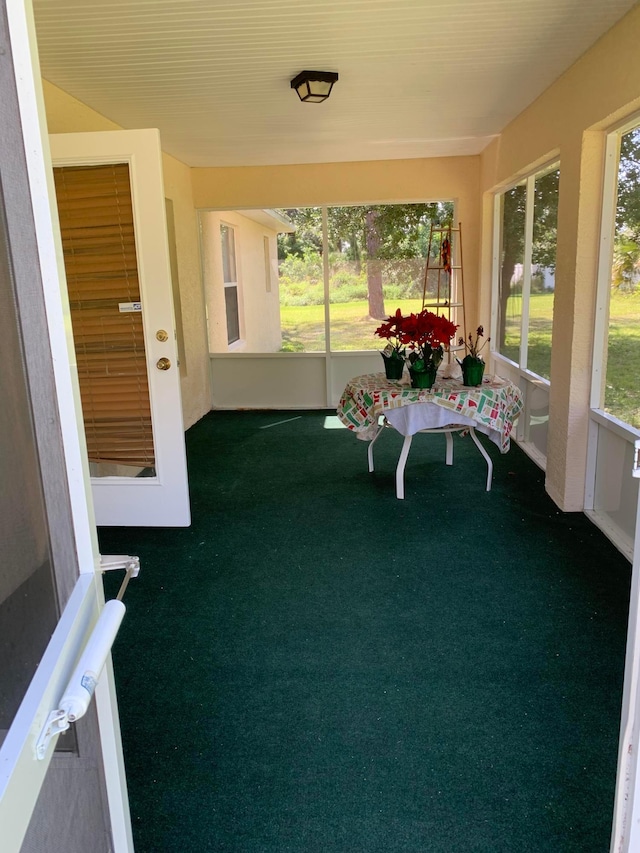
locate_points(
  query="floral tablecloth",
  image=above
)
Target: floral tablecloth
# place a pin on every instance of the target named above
(494, 405)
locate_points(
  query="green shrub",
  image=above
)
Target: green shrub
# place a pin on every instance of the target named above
(301, 293)
(350, 289)
(292, 346)
(307, 268)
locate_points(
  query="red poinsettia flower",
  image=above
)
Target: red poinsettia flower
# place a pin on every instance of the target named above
(392, 330)
(425, 333)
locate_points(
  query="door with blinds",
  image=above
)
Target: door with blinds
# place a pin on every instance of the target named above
(111, 210)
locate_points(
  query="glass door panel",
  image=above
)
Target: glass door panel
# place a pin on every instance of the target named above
(96, 222)
(28, 605)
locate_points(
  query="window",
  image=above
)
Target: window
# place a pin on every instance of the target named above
(528, 214)
(301, 282)
(230, 278)
(510, 271)
(376, 265)
(621, 392)
(317, 279)
(375, 257)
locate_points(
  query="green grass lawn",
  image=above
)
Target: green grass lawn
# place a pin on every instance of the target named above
(540, 321)
(351, 326)
(353, 329)
(622, 388)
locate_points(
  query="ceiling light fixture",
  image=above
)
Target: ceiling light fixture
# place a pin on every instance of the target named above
(313, 87)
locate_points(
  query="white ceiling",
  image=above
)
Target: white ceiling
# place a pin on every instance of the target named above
(418, 78)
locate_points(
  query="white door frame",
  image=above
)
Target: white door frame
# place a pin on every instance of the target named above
(162, 500)
(27, 773)
(625, 836)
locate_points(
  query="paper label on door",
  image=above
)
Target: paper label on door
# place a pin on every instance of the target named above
(125, 307)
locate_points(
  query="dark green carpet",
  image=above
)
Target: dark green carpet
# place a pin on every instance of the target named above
(317, 666)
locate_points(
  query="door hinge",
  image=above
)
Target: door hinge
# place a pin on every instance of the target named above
(635, 471)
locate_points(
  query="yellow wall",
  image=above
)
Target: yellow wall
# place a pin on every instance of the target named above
(447, 178)
(68, 115)
(570, 119)
(373, 182)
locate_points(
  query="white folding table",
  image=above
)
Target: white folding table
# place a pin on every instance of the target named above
(426, 418)
(370, 403)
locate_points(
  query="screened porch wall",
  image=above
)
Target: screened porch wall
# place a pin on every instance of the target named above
(532, 427)
(611, 499)
(568, 123)
(285, 380)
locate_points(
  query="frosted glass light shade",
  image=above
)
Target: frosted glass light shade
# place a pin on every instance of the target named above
(313, 87)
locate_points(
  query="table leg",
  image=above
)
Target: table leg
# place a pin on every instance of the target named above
(402, 461)
(370, 448)
(472, 432)
(449, 457)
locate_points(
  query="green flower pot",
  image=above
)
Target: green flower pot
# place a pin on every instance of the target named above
(472, 371)
(393, 366)
(423, 378)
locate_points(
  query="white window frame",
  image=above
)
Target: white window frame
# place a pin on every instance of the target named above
(530, 184)
(626, 823)
(532, 385)
(605, 261)
(598, 418)
(239, 341)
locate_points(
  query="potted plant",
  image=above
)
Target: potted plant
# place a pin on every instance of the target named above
(473, 364)
(426, 335)
(394, 353)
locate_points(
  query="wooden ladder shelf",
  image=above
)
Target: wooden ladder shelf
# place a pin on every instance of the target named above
(443, 289)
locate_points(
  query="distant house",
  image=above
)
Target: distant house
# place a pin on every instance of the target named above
(240, 270)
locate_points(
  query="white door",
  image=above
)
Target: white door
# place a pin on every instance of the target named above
(48, 548)
(626, 825)
(133, 491)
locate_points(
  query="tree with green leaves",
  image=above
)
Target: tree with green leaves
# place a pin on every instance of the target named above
(628, 206)
(377, 235)
(545, 219)
(626, 244)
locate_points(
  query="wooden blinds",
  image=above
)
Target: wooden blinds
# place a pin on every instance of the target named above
(96, 220)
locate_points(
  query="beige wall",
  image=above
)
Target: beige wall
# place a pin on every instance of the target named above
(447, 178)
(570, 119)
(374, 182)
(67, 115)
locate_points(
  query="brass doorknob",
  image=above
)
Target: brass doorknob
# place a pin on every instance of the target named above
(161, 335)
(163, 364)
